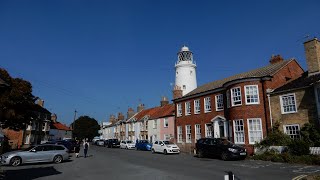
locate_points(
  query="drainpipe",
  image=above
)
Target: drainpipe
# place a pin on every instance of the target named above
(270, 109)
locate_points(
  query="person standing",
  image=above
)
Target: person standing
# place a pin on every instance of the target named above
(85, 148)
(77, 148)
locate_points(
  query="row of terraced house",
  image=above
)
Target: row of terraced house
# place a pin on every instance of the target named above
(242, 108)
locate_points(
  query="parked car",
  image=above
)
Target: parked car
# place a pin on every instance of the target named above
(143, 145)
(165, 147)
(219, 147)
(100, 142)
(35, 154)
(127, 145)
(111, 143)
(70, 145)
(95, 139)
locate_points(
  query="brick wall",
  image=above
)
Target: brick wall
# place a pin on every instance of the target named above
(306, 108)
(15, 138)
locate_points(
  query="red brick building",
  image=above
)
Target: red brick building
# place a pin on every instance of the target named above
(236, 107)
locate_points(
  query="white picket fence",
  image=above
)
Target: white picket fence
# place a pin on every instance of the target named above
(314, 150)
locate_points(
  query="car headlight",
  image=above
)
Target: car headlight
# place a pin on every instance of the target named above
(232, 150)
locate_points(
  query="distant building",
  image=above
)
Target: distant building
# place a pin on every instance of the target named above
(59, 131)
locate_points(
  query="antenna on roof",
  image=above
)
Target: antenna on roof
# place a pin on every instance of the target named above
(306, 37)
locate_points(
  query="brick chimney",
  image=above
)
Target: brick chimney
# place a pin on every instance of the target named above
(130, 113)
(177, 92)
(54, 118)
(164, 101)
(140, 107)
(112, 119)
(312, 51)
(40, 102)
(276, 59)
(120, 116)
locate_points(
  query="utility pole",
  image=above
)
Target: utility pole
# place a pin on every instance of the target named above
(74, 120)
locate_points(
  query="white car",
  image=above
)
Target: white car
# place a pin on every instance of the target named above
(165, 147)
(127, 145)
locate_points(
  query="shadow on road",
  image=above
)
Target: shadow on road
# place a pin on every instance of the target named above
(30, 173)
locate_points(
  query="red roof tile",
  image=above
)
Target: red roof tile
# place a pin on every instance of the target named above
(60, 126)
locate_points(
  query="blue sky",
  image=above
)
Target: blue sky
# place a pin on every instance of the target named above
(101, 57)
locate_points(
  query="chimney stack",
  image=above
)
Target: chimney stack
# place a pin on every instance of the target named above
(312, 51)
(140, 107)
(275, 59)
(164, 101)
(177, 92)
(54, 118)
(120, 116)
(40, 102)
(130, 113)
(112, 119)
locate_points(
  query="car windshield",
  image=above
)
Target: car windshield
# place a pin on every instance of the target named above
(144, 141)
(114, 140)
(129, 141)
(167, 142)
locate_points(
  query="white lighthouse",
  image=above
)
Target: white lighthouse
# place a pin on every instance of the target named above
(186, 77)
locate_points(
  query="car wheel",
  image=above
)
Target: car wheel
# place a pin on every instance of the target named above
(152, 150)
(224, 156)
(200, 154)
(57, 159)
(15, 161)
(165, 152)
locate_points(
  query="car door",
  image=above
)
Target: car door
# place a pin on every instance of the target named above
(207, 146)
(161, 146)
(48, 153)
(35, 155)
(155, 146)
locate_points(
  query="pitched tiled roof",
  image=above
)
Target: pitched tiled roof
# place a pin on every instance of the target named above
(146, 112)
(60, 126)
(163, 111)
(257, 73)
(302, 82)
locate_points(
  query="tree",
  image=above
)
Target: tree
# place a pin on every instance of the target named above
(85, 127)
(16, 102)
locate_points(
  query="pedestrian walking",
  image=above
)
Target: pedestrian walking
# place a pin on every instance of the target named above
(77, 148)
(85, 148)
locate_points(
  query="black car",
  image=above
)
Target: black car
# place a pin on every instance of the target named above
(111, 143)
(67, 143)
(219, 147)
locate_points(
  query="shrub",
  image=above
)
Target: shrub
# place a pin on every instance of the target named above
(275, 138)
(310, 134)
(299, 147)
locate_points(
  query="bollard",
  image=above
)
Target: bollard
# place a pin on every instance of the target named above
(229, 176)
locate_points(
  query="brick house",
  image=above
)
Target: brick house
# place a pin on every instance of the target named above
(236, 107)
(298, 101)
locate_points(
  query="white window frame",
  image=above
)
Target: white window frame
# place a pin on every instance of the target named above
(165, 122)
(219, 101)
(166, 137)
(208, 130)
(207, 104)
(196, 106)
(188, 134)
(188, 108)
(282, 105)
(197, 132)
(238, 129)
(155, 124)
(179, 110)
(238, 96)
(254, 131)
(292, 136)
(179, 134)
(251, 95)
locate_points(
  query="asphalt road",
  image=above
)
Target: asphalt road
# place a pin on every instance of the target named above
(117, 164)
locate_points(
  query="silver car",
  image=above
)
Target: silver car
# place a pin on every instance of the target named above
(35, 154)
